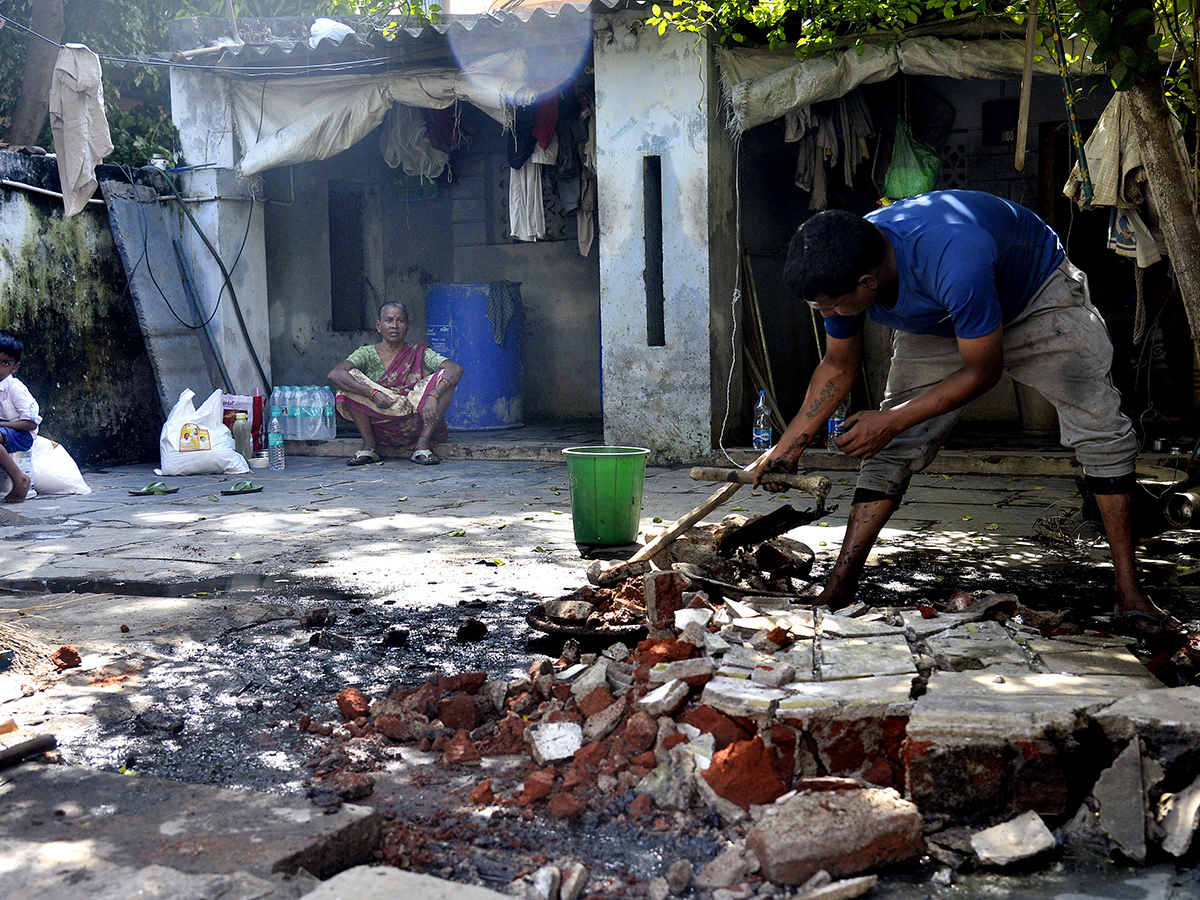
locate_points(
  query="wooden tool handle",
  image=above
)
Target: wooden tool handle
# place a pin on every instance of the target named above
(817, 485)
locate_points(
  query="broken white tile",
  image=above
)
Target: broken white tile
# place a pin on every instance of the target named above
(1021, 838)
(773, 674)
(593, 677)
(882, 690)
(554, 742)
(737, 697)
(862, 657)
(664, 700)
(843, 626)
(684, 617)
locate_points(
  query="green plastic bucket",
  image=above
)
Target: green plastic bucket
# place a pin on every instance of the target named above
(606, 493)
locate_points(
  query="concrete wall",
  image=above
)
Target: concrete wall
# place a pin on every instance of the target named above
(655, 97)
(232, 223)
(62, 292)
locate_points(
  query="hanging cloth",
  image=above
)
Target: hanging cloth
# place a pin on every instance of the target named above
(78, 123)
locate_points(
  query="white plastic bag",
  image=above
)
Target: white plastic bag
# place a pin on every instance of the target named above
(196, 441)
(54, 472)
(24, 461)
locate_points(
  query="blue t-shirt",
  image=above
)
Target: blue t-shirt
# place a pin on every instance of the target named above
(967, 262)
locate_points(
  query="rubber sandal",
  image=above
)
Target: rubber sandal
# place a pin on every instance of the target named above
(153, 489)
(364, 458)
(243, 487)
(425, 457)
(1147, 626)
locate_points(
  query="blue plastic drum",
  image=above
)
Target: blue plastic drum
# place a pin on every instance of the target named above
(479, 327)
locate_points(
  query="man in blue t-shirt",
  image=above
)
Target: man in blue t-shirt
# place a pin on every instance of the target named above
(974, 286)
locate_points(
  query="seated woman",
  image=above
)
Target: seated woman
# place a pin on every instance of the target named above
(396, 394)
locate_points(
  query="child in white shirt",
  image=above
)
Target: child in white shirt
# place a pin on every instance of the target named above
(19, 417)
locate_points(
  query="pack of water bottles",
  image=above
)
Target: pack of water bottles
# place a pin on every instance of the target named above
(305, 412)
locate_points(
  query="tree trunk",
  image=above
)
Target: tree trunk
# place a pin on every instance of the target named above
(1172, 183)
(34, 103)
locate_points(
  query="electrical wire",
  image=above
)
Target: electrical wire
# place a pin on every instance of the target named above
(734, 299)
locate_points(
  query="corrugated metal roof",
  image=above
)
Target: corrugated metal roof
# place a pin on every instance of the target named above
(281, 45)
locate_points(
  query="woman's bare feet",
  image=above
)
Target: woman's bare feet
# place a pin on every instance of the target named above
(20, 489)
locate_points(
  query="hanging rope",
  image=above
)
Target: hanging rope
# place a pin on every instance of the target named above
(1069, 96)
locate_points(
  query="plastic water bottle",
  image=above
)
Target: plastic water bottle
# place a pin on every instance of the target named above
(329, 417)
(761, 435)
(275, 444)
(243, 441)
(837, 427)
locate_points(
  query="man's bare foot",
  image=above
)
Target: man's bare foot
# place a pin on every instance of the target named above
(19, 490)
(1132, 598)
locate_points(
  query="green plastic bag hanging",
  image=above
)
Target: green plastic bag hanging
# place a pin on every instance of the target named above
(915, 167)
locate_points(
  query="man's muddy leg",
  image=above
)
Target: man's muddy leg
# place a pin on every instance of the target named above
(1117, 512)
(20, 481)
(866, 522)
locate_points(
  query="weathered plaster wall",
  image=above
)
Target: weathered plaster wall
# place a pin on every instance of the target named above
(233, 224)
(62, 291)
(654, 97)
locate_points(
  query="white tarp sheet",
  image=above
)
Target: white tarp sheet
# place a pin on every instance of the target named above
(762, 85)
(283, 121)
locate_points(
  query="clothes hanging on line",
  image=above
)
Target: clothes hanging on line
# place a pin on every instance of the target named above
(833, 132)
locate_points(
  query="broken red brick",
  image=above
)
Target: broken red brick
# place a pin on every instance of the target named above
(561, 692)
(664, 596)
(597, 700)
(674, 740)
(66, 657)
(539, 784)
(639, 734)
(352, 703)
(565, 805)
(927, 611)
(646, 760)
(641, 807)
(482, 793)
(780, 637)
(744, 773)
(459, 711)
(459, 751)
(724, 730)
(304, 723)
(783, 741)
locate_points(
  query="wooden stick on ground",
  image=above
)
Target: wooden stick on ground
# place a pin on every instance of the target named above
(688, 519)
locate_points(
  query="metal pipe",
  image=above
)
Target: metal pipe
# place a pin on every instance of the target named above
(37, 190)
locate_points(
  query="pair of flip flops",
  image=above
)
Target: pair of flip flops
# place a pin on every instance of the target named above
(424, 457)
(243, 487)
(153, 489)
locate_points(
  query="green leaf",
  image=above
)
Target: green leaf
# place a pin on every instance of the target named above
(402, 499)
(500, 562)
(236, 556)
(458, 532)
(994, 526)
(967, 518)
(540, 550)
(1141, 14)
(656, 519)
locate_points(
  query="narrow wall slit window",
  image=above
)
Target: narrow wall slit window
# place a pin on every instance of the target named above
(349, 291)
(656, 329)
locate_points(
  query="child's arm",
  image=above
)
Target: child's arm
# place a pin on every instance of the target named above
(20, 425)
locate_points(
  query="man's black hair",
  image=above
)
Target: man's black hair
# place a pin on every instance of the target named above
(830, 252)
(11, 344)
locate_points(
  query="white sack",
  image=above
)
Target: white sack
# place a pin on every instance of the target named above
(196, 441)
(54, 471)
